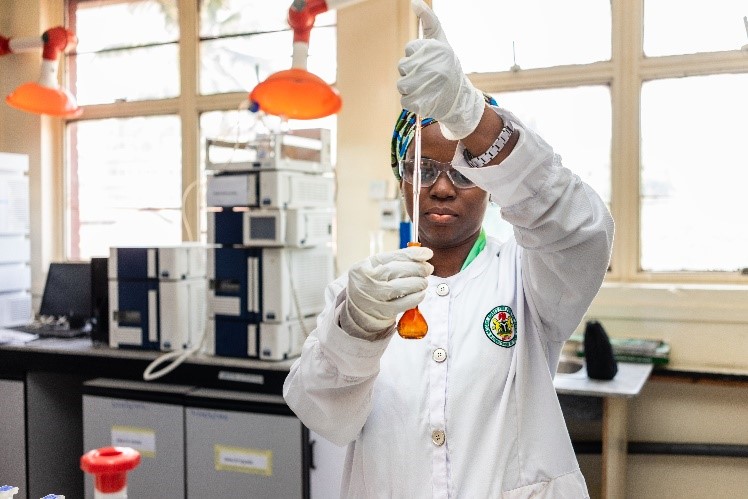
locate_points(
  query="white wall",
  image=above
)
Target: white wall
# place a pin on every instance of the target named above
(371, 37)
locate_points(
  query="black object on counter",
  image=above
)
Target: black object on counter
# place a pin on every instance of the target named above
(100, 300)
(598, 352)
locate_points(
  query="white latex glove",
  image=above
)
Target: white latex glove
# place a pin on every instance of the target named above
(383, 286)
(432, 83)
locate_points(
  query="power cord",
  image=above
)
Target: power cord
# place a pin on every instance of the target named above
(178, 357)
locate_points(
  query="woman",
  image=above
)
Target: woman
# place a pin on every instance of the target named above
(470, 410)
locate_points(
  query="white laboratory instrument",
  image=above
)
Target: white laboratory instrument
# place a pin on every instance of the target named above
(299, 150)
(294, 227)
(270, 189)
(272, 285)
(157, 297)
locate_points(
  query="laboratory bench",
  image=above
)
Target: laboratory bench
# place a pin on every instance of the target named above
(48, 385)
(44, 383)
(82, 357)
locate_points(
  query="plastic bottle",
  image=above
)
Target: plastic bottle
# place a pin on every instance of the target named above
(110, 465)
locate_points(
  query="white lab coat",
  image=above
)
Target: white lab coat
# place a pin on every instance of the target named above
(469, 411)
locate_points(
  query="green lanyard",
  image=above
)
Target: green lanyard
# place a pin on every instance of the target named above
(480, 243)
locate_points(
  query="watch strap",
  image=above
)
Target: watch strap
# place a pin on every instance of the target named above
(494, 149)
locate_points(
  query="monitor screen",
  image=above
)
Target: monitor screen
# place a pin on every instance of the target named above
(262, 228)
(67, 291)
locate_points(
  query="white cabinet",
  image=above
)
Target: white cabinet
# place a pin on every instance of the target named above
(242, 453)
(148, 417)
(15, 251)
(198, 443)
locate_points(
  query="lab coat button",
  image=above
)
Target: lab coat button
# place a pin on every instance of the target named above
(438, 437)
(442, 289)
(439, 355)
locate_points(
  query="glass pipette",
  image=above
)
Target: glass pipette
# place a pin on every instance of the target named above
(417, 180)
(412, 325)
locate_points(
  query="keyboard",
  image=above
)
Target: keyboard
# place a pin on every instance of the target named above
(46, 330)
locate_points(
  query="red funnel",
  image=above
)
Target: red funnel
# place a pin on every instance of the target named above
(110, 465)
(296, 94)
(35, 98)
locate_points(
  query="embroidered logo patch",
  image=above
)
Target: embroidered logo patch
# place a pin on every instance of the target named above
(501, 326)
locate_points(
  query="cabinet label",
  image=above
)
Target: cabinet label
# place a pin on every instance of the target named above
(243, 460)
(142, 440)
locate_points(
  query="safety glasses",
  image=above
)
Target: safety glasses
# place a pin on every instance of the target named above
(430, 171)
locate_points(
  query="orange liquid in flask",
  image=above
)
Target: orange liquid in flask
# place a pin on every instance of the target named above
(412, 325)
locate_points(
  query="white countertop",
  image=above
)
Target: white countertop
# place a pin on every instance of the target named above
(627, 382)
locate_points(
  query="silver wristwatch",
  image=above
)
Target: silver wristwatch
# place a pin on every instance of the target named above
(493, 151)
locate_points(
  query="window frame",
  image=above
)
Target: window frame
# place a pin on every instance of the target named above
(188, 106)
(624, 74)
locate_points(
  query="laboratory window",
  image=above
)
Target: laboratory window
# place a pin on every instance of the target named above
(673, 27)
(128, 177)
(645, 100)
(155, 81)
(239, 48)
(127, 51)
(560, 115)
(694, 173)
(491, 35)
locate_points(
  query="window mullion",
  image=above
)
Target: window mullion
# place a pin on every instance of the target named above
(189, 76)
(627, 28)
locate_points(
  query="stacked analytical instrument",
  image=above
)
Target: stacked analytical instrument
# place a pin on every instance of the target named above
(270, 218)
(157, 296)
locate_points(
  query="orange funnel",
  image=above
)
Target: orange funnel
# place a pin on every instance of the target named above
(35, 98)
(296, 94)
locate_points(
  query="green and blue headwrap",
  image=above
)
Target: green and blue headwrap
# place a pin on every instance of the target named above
(405, 130)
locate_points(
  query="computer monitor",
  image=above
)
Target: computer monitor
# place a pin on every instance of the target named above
(67, 291)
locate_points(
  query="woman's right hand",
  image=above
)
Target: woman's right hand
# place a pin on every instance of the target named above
(383, 286)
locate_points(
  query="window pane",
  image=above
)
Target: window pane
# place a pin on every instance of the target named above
(576, 122)
(245, 41)
(126, 75)
(125, 186)
(544, 33)
(220, 18)
(107, 24)
(127, 51)
(694, 173)
(676, 27)
(238, 64)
